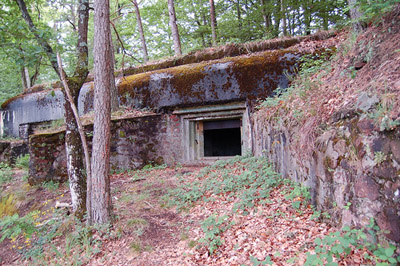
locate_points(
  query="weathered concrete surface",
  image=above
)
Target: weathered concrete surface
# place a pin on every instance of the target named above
(135, 142)
(354, 173)
(232, 78)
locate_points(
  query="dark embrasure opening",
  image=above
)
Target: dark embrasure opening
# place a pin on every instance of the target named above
(222, 138)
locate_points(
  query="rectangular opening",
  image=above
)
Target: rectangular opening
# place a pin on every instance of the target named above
(222, 138)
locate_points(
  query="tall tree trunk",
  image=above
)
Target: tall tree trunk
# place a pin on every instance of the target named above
(266, 17)
(141, 33)
(307, 11)
(198, 22)
(174, 28)
(113, 86)
(283, 17)
(356, 15)
(239, 15)
(27, 77)
(23, 79)
(277, 17)
(213, 23)
(73, 144)
(74, 152)
(100, 201)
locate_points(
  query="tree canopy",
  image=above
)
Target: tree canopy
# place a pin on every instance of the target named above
(237, 21)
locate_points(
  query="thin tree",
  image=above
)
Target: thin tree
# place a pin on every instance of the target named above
(213, 23)
(283, 17)
(73, 144)
(239, 15)
(141, 33)
(174, 28)
(266, 16)
(99, 200)
(356, 15)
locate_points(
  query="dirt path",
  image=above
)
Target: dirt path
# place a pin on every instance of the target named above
(148, 231)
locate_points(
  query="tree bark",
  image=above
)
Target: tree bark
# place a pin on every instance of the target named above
(23, 79)
(283, 12)
(100, 197)
(174, 28)
(73, 144)
(141, 33)
(307, 10)
(356, 15)
(213, 23)
(266, 16)
(113, 87)
(239, 16)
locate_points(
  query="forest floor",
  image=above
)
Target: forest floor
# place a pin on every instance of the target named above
(218, 215)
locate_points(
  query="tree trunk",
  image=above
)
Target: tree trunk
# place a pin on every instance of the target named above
(198, 22)
(23, 79)
(141, 33)
(277, 18)
(73, 143)
(28, 80)
(356, 15)
(283, 12)
(174, 28)
(213, 23)
(307, 10)
(266, 17)
(73, 148)
(239, 16)
(100, 201)
(113, 86)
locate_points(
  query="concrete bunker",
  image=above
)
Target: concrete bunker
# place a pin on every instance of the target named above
(215, 131)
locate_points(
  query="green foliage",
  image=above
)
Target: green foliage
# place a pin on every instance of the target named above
(256, 262)
(376, 8)
(7, 205)
(23, 162)
(50, 185)
(381, 115)
(6, 174)
(144, 172)
(212, 227)
(310, 65)
(250, 185)
(379, 157)
(338, 245)
(299, 195)
(14, 226)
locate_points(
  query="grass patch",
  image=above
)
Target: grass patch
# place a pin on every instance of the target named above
(22, 162)
(6, 174)
(248, 178)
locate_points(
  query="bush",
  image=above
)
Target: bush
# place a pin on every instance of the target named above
(23, 162)
(6, 174)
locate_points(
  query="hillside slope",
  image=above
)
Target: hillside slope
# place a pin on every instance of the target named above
(336, 128)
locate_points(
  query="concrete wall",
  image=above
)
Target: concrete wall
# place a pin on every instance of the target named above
(354, 172)
(236, 78)
(135, 142)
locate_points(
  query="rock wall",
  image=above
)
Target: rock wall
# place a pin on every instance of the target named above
(11, 150)
(135, 142)
(354, 172)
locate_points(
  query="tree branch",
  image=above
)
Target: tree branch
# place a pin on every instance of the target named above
(43, 43)
(78, 121)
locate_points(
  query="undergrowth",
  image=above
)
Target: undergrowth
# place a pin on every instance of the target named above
(52, 238)
(248, 178)
(6, 174)
(248, 182)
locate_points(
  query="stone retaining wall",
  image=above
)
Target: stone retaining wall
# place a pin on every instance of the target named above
(353, 173)
(135, 142)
